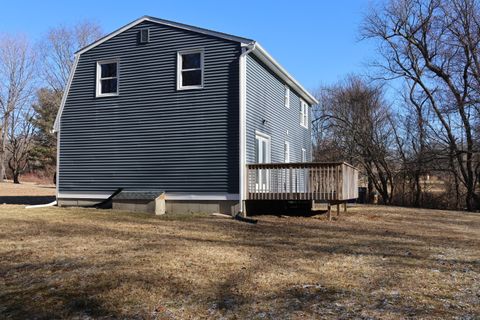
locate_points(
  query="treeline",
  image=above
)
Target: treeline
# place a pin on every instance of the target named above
(428, 130)
(33, 77)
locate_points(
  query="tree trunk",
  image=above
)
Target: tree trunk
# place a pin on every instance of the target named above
(16, 176)
(370, 190)
(2, 152)
(417, 190)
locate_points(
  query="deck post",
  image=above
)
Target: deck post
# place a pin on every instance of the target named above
(329, 212)
(345, 206)
(338, 209)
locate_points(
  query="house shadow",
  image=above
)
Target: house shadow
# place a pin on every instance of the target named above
(26, 200)
(282, 208)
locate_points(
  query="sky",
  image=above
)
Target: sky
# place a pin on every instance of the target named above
(316, 41)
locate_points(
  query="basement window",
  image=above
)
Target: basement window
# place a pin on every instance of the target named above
(190, 69)
(107, 78)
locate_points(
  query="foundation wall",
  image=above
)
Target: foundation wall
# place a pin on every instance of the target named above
(158, 206)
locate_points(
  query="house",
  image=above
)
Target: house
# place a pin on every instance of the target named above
(163, 107)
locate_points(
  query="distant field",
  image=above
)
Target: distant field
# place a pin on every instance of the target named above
(373, 263)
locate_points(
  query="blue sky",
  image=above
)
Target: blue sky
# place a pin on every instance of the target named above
(316, 41)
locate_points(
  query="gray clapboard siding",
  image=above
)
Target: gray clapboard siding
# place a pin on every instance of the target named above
(265, 101)
(151, 136)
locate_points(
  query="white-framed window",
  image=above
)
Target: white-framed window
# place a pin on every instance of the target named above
(107, 78)
(304, 155)
(286, 152)
(286, 99)
(303, 114)
(190, 69)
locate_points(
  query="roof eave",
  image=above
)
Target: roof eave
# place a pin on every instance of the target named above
(167, 23)
(266, 58)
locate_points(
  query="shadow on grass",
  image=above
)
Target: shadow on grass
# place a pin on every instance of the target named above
(65, 287)
(26, 200)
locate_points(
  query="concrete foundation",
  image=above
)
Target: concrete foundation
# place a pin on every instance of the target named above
(156, 206)
(229, 207)
(160, 206)
(77, 202)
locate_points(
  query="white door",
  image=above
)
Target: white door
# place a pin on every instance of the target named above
(262, 156)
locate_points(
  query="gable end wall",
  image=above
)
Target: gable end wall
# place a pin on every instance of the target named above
(151, 136)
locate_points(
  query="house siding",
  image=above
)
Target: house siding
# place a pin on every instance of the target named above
(266, 113)
(151, 136)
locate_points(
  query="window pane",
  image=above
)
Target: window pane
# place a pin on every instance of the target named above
(108, 70)
(109, 86)
(191, 78)
(191, 61)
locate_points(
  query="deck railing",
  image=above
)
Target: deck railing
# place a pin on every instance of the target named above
(302, 181)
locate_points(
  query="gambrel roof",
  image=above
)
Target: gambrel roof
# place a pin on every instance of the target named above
(255, 47)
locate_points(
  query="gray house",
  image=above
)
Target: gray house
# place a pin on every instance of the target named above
(189, 113)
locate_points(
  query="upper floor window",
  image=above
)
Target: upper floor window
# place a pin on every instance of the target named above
(304, 114)
(286, 99)
(304, 155)
(190, 69)
(107, 78)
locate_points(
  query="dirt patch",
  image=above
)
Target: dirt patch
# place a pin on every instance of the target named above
(373, 263)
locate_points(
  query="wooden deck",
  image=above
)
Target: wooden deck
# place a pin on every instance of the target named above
(329, 182)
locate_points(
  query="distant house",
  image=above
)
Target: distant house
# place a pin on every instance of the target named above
(163, 106)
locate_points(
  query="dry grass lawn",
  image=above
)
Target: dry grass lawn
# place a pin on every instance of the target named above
(10, 189)
(373, 263)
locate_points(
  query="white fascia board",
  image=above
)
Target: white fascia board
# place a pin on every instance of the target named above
(56, 125)
(266, 58)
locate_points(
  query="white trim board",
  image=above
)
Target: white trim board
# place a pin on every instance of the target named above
(168, 196)
(75, 195)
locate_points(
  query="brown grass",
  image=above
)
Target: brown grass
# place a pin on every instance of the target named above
(373, 263)
(10, 189)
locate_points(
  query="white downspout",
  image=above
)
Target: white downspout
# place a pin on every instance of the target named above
(246, 49)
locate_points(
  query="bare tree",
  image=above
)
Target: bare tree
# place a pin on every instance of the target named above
(433, 45)
(58, 50)
(20, 142)
(17, 71)
(354, 117)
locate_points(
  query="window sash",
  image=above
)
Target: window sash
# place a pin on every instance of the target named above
(101, 80)
(181, 70)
